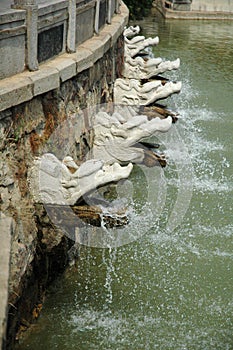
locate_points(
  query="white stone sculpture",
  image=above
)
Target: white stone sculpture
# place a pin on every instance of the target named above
(52, 182)
(117, 136)
(130, 90)
(133, 92)
(136, 44)
(140, 68)
(137, 67)
(133, 47)
(117, 143)
(116, 146)
(131, 31)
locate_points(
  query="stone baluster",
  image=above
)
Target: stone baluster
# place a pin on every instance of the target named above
(118, 4)
(97, 16)
(31, 8)
(109, 18)
(71, 35)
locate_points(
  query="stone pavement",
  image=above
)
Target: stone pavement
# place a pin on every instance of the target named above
(6, 226)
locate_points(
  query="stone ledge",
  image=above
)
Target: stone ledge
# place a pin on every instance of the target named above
(192, 14)
(195, 15)
(84, 59)
(98, 45)
(45, 79)
(24, 86)
(116, 30)
(10, 16)
(15, 90)
(66, 67)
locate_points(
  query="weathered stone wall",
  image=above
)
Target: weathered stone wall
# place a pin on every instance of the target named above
(212, 5)
(39, 250)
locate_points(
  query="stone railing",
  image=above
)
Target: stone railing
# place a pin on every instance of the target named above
(34, 31)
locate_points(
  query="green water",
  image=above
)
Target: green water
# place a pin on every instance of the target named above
(170, 289)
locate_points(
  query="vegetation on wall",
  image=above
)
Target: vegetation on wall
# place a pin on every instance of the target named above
(138, 8)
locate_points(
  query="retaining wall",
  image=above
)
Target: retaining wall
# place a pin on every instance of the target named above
(212, 5)
(33, 104)
(197, 9)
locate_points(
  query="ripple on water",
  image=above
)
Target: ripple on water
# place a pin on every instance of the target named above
(115, 331)
(201, 241)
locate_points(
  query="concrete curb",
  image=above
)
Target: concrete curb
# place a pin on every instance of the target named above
(24, 86)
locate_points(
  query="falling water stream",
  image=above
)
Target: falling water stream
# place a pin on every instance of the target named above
(170, 288)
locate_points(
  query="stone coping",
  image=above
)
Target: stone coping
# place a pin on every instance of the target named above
(192, 14)
(24, 86)
(10, 16)
(207, 15)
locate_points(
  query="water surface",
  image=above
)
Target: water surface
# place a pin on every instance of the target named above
(168, 289)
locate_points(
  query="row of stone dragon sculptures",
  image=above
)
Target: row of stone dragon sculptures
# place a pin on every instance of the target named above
(118, 136)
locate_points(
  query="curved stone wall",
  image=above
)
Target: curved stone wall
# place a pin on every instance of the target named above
(33, 31)
(23, 87)
(32, 105)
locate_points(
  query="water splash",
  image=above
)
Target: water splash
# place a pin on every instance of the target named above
(166, 290)
(109, 259)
